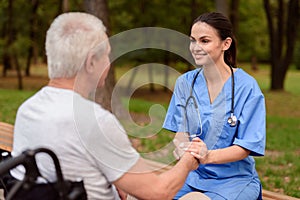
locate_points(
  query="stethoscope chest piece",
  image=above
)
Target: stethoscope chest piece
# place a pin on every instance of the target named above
(232, 120)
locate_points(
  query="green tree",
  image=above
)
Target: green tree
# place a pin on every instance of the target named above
(283, 20)
(15, 42)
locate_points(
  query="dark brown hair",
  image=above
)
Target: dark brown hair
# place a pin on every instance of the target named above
(224, 29)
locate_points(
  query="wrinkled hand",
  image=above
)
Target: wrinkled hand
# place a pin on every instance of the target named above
(181, 142)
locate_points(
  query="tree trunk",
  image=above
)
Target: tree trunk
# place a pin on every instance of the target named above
(10, 56)
(151, 79)
(254, 63)
(167, 63)
(65, 6)
(277, 77)
(18, 68)
(234, 15)
(99, 8)
(222, 6)
(33, 28)
(8, 35)
(6, 64)
(282, 44)
(193, 7)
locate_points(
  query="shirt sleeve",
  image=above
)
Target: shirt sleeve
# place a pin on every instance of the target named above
(252, 124)
(174, 120)
(117, 155)
(106, 142)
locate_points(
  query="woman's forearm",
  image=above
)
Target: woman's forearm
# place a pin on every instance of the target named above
(226, 155)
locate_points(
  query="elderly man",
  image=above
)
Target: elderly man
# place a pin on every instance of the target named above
(88, 140)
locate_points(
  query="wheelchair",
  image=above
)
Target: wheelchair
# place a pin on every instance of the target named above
(28, 188)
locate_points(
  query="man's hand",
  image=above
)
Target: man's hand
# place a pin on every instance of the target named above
(181, 142)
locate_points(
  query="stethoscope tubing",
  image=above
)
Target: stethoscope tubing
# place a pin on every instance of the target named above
(232, 120)
(232, 91)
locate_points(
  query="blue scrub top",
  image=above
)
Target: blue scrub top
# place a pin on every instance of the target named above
(228, 179)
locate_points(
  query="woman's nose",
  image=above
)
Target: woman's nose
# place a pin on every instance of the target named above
(196, 46)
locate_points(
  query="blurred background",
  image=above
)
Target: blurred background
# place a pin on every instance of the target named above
(267, 32)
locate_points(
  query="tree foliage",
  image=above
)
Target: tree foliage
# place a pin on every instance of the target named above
(24, 38)
(252, 33)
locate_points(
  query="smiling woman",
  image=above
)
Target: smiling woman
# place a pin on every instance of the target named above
(226, 98)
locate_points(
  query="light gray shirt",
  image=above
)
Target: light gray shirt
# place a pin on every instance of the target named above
(88, 140)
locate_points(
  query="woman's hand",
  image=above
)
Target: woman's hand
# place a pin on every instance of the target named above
(218, 156)
(196, 147)
(199, 150)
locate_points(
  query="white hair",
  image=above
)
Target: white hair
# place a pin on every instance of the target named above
(69, 39)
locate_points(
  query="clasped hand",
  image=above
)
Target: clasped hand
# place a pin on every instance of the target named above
(196, 147)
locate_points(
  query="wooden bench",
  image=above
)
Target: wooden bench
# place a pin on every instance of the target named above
(268, 195)
(6, 136)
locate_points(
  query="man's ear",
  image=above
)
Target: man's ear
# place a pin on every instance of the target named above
(226, 43)
(89, 64)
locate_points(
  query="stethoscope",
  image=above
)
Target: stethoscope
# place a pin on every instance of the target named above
(232, 119)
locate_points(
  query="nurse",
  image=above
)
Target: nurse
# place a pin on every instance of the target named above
(203, 101)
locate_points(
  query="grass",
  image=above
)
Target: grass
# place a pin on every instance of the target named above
(279, 169)
(10, 100)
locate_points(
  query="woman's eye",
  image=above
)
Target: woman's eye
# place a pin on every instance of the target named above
(192, 40)
(204, 41)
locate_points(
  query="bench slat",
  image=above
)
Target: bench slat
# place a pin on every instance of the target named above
(276, 196)
(6, 136)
